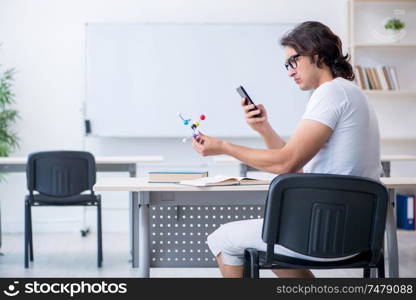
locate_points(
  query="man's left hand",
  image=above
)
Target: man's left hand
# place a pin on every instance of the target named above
(206, 145)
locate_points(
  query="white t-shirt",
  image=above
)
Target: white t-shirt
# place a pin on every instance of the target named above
(354, 146)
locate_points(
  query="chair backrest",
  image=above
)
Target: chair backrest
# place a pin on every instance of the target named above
(60, 173)
(324, 215)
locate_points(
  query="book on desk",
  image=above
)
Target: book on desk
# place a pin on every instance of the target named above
(224, 180)
(174, 177)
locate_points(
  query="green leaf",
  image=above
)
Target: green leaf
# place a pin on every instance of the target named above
(8, 116)
(394, 24)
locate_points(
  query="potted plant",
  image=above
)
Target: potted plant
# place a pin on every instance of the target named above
(394, 26)
(8, 116)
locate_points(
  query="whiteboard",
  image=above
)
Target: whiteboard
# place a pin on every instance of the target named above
(139, 76)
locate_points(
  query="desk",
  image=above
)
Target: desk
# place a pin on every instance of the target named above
(387, 159)
(385, 162)
(151, 213)
(103, 164)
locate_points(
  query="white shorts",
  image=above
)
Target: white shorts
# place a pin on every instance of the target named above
(232, 238)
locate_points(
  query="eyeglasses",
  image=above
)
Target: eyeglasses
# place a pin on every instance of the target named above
(292, 62)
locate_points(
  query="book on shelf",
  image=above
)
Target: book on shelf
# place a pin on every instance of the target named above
(367, 78)
(394, 78)
(386, 76)
(371, 81)
(377, 78)
(382, 78)
(405, 211)
(174, 177)
(224, 180)
(390, 79)
(359, 76)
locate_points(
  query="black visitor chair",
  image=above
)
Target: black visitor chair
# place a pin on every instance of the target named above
(326, 216)
(59, 178)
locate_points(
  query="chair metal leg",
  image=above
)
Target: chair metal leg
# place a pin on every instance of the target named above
(367, 272)
(99, 235)
(30, 233)
(380, 268)
(26, 259)
(251, 263)
(255, 271)
(247, 265)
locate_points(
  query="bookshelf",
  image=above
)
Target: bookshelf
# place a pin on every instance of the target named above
(371, 47)
(394, 45)
(391, 93)
(384, 1)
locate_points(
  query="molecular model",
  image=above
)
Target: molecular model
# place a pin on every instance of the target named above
(193, 125)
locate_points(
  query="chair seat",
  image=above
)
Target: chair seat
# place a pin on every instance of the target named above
(83, 199)
(283, 261)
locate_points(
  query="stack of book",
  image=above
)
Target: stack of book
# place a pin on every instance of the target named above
(174, 177)
(378, 78)
(405, 211)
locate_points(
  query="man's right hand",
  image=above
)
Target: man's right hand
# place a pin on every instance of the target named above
(261, 125)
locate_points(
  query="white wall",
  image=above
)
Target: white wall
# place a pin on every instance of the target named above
(45, 41)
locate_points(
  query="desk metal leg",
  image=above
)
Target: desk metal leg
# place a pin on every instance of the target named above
(246, 168)
(144, 238)
(391, 238)
(132, 173)
(134, 229)
(386, 168)
(131, 204)
(243, 170)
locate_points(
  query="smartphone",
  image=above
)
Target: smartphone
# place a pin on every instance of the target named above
(244, 94)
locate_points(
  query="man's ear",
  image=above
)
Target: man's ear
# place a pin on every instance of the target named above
(313, 59)
(319, 63)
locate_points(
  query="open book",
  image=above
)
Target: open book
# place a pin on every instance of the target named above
(224, 180)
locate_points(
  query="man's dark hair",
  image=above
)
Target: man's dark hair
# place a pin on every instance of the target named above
(314, 38)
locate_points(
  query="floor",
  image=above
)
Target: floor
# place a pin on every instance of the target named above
(70, 255)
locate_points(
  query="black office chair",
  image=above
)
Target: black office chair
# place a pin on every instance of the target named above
(326, 216)
(60, 177)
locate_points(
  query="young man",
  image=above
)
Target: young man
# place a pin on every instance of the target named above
(338, 134)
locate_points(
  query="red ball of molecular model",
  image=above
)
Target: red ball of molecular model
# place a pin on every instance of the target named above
(193, 125)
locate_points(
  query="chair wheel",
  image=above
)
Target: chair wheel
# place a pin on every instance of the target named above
(85, 232)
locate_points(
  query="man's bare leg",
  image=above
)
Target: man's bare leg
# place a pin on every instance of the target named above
(229, 271)
(293, 273)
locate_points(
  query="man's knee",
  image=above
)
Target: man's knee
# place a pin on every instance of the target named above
(215, 240)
